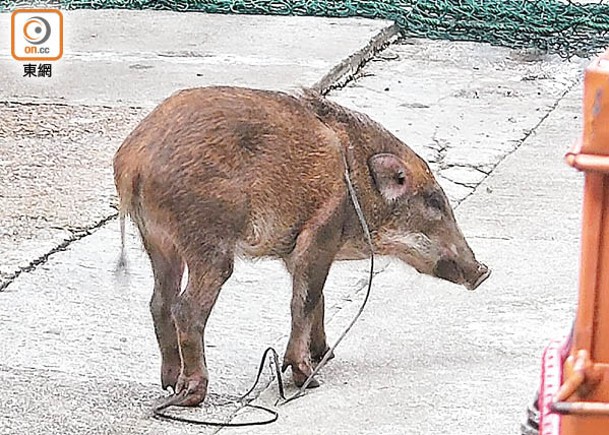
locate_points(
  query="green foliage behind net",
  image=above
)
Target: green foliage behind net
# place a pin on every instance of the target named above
(565, 28)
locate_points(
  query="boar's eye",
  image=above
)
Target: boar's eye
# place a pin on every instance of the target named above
(401, 178)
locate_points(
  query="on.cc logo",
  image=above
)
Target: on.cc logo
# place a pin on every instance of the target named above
(36, 34)
(37, 30)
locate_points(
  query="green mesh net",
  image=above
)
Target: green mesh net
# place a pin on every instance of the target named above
(564, 28)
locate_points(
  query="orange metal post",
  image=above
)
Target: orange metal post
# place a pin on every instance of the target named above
(584, 396)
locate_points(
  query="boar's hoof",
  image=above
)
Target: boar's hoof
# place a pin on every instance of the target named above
(300, 374)
(169, 375)
(300, 378)
(317, 356)
(192, 389)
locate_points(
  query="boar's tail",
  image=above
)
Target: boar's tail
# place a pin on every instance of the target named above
(121, 265)
(126, 195)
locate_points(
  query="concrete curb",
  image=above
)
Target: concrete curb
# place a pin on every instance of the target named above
(346, 70)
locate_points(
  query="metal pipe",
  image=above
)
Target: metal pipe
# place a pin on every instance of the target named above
(581, 408)
(588, 162)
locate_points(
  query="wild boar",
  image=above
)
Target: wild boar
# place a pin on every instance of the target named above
(218, 172)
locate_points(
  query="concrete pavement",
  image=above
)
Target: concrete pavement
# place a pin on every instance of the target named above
(77, 351)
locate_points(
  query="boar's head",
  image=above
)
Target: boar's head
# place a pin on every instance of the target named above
(420, 227)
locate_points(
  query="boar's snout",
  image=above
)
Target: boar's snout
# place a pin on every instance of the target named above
(482, 273)
(470, 277)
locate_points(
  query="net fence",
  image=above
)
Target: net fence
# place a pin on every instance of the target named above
(565, 28)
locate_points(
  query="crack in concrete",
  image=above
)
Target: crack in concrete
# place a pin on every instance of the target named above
(461, 165)
(42, 102)
(524, 139)
(440, 150)
(459, 183)
(490, 237)
(76, 235)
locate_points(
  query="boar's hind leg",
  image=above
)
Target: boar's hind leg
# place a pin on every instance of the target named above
(207, 272)
(168, 268)
(309, 264)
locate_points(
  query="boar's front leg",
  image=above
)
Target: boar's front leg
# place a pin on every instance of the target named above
(319, 345)
(309, 263)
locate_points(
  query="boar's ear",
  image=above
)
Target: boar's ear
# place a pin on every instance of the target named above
(390, 175)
